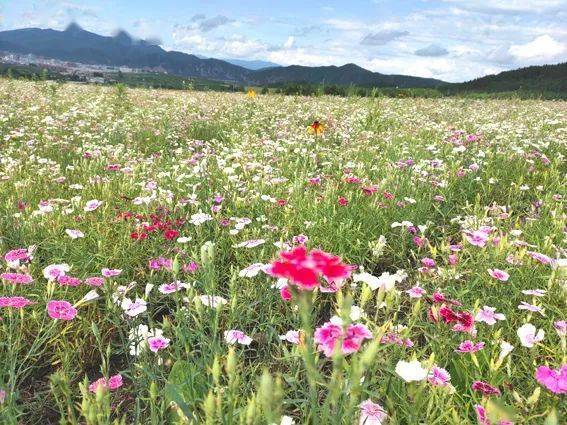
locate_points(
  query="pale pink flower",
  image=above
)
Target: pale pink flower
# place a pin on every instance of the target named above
(74, 234)
(62, 310)
(534, 292)
(529, 335)
(477, 238)
(542, 258)
(498, 274)
(234, 336)
(291, 336)
(92, 205)
(94, 281)
(113, 383)
(372, 413)
(530, 307)
(561, 327)
(170, 288)
(416, 292)
(111, 272)
(489, 316)
(2, 396)
(53, 271)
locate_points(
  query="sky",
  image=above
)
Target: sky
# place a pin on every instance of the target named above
(452, 40)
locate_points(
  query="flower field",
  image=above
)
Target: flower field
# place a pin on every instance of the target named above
(199, 257)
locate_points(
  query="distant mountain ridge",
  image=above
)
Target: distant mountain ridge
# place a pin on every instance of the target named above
(75, 44)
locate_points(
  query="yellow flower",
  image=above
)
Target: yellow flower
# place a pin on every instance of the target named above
(316, 128)
(251, 94)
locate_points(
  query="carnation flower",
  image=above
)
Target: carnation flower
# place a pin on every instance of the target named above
(235, 336)
(112, 383)
(411, 371)
(371, 413)
(62, 310)
(555, 380)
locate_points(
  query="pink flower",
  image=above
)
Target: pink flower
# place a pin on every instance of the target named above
(74, 234)
(2, 396)
(498, 274)
(157, 343)
(555, 380)
(349, 340)
(15, 302)
(303, 268)
(62, 310)
(485, 388)
(542, 258)
(92, 205)
(68, 281)
(113, 383)
(94, 281)
(17, 278)
(416, 292)
(15, 256)
(111, 272)
(561, 327)
(489, 316)
(428, 262)
(438, 377)
(233, 336)
(482, 417)
(469, 347)
(371, 413)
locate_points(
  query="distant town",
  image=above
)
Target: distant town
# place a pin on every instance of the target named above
(90, 73)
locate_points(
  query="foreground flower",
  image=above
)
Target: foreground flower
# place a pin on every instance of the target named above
(411, 371)
(371, 413)
(303, 268)
(235, 336)
(529, 335)
(62, 310)
(349, 341)
(555, 380)
(113, 383)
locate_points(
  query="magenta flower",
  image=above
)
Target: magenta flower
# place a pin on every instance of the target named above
(555, 380)
(94, 281)
(15, 256)
(15, 302)
(62, 310)
(157, 343)
(113, 383)
(16, 278)
(68, 281)
(498, 274)
(469, 347)
(438, 377)
(349, 340)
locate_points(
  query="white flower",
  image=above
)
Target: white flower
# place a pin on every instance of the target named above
(505, 349)
(529, 335)
(250, 244)
(411, 371)
(74, 234)
(211, 300)
(91, 295)
(200, 218)
(133, 308)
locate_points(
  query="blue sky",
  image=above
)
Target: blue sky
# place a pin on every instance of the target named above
(453, 40)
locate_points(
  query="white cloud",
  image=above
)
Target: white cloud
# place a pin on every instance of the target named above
(543, 48)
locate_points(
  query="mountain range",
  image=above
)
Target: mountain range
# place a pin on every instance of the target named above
(75, 44)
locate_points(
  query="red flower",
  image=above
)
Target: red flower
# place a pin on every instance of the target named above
(485, 388)
(304, 268)
(343, 201)
(170, 234)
